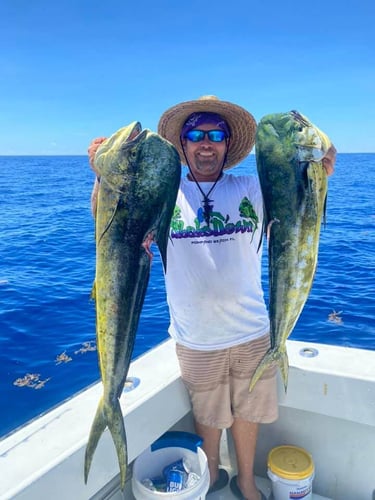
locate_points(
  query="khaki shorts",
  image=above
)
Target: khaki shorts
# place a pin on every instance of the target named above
(218, 384)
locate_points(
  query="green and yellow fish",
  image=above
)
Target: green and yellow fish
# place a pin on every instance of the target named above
(139, 178)
(289, 153)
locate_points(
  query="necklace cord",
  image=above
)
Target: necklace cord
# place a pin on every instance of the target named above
(207, 206)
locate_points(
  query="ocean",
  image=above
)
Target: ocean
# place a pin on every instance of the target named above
(47, 266)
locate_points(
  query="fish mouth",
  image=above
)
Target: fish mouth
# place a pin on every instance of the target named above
(136, 135)
(136, 130)
(121, 138)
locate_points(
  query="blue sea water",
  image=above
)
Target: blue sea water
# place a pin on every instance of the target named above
(47, 264)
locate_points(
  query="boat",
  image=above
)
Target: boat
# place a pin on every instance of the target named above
(329, 410)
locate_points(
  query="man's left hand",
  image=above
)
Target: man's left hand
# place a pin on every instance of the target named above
(329, 160)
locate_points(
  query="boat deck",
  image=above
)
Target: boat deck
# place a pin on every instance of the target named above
(263, 484)
(329, 410)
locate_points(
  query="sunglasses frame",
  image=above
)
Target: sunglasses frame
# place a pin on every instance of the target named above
(203, 134)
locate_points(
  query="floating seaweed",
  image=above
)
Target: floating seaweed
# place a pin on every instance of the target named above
(31, 380)
(62, 358)
(41, 383)
(34, 381)
(335, 317)
(86, 347)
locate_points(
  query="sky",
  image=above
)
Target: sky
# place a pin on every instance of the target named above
(73, 70)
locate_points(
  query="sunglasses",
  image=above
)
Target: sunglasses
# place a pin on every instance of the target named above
(199, 135)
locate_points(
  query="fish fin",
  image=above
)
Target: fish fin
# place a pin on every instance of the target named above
(93, 291)
(162, 245)
(261, 235)
(284, 368)
(98, 426)
(272, 356)
(111, 218)
(163, 234)
(117, 429)
(162, 237)
(325, 212)
(108, 416)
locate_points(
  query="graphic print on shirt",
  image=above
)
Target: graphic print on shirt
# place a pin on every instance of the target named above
(219, 224)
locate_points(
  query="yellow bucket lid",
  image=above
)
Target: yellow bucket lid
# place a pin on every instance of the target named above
(290, 462)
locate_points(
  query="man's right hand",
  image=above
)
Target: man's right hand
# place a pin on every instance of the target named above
(92, 149)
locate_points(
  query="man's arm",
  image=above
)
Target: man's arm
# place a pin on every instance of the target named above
(94, 197)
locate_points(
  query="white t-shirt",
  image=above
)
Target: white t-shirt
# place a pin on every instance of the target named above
(213, 276)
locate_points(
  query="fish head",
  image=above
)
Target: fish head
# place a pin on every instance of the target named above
(115, 156)
(292, 135)
(157, 161)
(154, 176)
(132, 155)
(311, 143)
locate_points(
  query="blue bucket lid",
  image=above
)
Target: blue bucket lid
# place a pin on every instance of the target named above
(178, 439)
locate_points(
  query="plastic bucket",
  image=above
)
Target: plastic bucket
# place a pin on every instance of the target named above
(291, 470)
(171, 447)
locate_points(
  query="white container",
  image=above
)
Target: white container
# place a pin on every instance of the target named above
(170, 448)
(291, 470)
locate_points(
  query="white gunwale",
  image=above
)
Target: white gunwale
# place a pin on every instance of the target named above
(329, 409)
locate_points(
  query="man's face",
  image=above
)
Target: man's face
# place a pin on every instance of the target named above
(205, 157)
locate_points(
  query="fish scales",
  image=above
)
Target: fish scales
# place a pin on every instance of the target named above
(139, 178)
(289, 153)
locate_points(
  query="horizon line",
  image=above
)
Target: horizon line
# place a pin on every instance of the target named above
(85, 155)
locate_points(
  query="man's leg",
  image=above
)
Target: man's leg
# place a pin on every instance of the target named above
(250, 408)
(205, 374)
(211, 447)
(245, 437)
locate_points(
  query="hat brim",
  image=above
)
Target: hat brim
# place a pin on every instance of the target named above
(242, 125)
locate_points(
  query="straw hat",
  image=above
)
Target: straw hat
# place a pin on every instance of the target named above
(242, 125)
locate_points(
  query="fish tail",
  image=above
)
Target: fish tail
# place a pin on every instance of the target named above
(98, 426)
(117, 429)
(272, 356)
(284, 368)
(108, 416)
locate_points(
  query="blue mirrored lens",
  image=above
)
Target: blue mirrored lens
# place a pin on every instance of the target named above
(195, 135)
(199, 135)
(216, 135)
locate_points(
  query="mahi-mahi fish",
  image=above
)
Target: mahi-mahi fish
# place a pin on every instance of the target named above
(289, 153)
(139, 178)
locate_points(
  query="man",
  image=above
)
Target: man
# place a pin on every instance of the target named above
(218, 316)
